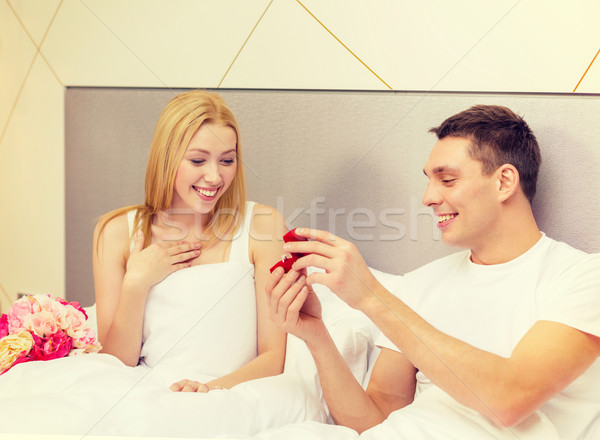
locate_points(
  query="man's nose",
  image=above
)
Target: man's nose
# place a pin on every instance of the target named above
(431, 196)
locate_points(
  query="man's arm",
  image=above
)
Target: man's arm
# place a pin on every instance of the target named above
(506, 390)
(393, 381)
(296, 309)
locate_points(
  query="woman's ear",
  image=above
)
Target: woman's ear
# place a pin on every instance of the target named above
(508, 181)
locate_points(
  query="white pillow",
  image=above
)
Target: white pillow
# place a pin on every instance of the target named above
(334, 308)
(91, 313)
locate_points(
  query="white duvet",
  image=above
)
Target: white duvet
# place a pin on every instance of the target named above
(95, 395)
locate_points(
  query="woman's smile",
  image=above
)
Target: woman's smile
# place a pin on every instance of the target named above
(206, 193)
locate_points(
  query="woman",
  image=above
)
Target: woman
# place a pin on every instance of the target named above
(193, 215)
(180, 299)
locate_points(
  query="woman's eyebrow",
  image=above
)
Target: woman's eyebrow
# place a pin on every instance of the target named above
(200, 150)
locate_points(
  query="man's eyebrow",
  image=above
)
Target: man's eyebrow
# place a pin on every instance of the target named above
(442, 169)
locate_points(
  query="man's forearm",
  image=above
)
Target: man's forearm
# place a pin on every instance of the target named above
(348, 402)
(468, 374)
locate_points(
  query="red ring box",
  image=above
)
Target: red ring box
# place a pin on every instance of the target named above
(287, 262)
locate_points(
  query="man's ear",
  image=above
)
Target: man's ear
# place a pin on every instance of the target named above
(508, 181)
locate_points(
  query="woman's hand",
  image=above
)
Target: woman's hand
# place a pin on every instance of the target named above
(192, 386)
(149, 266)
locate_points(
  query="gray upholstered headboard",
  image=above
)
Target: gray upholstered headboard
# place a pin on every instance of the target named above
(349, 162)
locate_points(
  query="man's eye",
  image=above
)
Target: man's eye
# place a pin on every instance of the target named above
(448, 180)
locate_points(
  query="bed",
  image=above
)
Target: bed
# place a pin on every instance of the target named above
(348, 162)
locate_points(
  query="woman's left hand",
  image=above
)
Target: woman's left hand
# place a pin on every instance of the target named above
(192, 386)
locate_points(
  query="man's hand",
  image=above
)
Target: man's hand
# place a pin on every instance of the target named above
(346, 273)
(293, 305)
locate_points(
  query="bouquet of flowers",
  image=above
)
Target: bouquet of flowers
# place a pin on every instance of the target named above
(40, 328)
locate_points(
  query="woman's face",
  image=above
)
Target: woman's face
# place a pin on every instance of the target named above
(206, 170)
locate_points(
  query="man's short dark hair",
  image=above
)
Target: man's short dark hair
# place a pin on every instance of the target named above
(498, 136)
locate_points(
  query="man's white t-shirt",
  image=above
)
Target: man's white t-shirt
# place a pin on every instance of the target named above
(491, 307)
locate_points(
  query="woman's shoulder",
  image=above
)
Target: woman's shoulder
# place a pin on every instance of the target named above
(262, 210)
(266, 220)
(267, 226)
(113, 227)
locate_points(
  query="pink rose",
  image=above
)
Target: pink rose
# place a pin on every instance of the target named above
(81, 309)
(87, 341)
(55, 346)
(20, 311)
(74, 322)
(52, 306)
(75, 304)
(3, 325)
(42, 324)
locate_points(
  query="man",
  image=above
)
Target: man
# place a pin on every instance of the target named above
(500, 340)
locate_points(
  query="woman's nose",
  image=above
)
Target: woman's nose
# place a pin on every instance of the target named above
(211, 173)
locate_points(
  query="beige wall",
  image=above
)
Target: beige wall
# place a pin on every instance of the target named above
(47, 45)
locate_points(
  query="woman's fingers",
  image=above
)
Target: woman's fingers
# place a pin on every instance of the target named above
(185, 256)
(180, 247)
(189, 386)
(177, 386)
(194, 387)
(180, 252)
(138, 244)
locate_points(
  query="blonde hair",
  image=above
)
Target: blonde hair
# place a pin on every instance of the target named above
(177, 124)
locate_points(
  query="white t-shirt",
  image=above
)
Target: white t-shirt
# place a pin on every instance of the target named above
(492, 307)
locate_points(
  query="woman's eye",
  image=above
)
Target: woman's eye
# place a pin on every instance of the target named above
(197, 161)
(228, 161)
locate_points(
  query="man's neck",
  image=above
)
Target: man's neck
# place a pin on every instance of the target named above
(516, 233)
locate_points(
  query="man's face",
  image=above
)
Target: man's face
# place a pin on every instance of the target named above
(465, 201)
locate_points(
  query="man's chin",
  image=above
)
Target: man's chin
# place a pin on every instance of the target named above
(450, 240)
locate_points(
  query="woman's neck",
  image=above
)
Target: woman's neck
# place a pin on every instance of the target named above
(186, 225)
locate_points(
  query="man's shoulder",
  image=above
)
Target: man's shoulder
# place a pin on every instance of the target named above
(559, 253)
(449, 262)
(561, 267)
